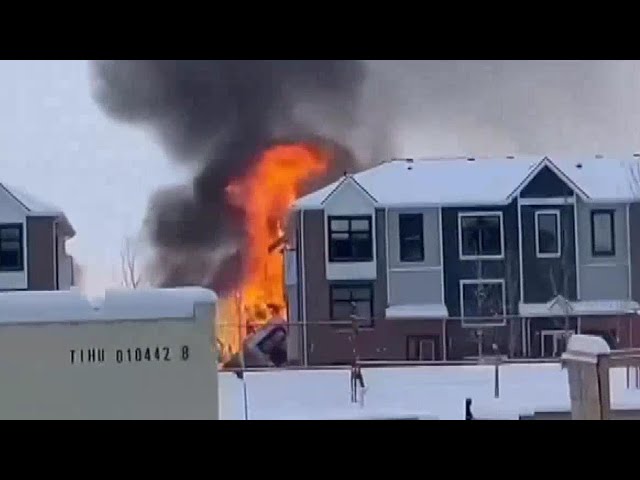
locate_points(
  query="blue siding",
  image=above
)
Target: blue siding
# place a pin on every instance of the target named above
(456, 269)
(546, 184)
(537, 272)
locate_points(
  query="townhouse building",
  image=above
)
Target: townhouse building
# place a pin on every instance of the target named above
(455, 258)
(33, 236)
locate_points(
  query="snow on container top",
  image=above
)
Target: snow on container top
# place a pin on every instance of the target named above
(117, 305)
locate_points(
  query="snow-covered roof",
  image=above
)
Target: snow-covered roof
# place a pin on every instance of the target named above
(117, 305)
(36, 207)
(417, 311)
(485, 181)
(427, 392)
(583, 307)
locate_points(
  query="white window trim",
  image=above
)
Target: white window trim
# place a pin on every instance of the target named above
(461, 215)
(414, 269)
(548, 201)
(483, 281)
(327, 241)
(558, 228)
(605, 264)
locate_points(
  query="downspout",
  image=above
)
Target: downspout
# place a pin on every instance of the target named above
(303, 296)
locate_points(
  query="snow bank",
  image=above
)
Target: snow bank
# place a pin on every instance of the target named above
(585, 348)
(426, 392)
(73, 306)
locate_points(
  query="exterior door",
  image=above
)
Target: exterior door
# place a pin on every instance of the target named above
(553, 342)
(422, 348)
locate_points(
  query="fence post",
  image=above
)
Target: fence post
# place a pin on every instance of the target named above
(587, 362)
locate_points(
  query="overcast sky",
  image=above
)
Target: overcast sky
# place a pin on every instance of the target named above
(58, 145)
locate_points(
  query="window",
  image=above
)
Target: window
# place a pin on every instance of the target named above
(11, 251)
(603, 242)
(350, 239)
(480, 235)
(482, 298)
(347, 300)
(410, 226)
(547, 233)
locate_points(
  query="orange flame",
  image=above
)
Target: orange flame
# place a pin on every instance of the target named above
(266, 194)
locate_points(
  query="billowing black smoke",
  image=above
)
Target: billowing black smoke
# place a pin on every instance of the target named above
(217, 115)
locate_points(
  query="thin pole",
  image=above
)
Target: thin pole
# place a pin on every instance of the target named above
(246, 398)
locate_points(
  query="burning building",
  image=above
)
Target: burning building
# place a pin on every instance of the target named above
(265, 195)
(257, 135)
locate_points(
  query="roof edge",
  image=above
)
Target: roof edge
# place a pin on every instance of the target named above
(348, 178)
(546, 161)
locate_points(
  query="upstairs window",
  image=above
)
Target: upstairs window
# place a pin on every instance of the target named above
(603, 242)
(350, 239)
(480, 235)
(11, 249)
(410, 227)
(547, 233)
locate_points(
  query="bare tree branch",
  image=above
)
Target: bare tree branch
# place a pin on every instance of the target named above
(131, 277)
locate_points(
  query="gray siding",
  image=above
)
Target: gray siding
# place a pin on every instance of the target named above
(41, 256)
(415, 287)
(431, 226)
(538, 272)
(415, 282)
(603, 278)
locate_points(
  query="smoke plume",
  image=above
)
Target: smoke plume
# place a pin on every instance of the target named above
(216, 116)
(501, 107)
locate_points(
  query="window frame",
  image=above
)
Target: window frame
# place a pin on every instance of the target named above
(349, 218)
(352, 286)
(496, 213)
(556, 213)
(483, 323)
(21, 266)
(402, 240)
(612, 215)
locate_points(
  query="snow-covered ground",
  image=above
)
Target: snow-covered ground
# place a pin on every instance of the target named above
(433, 392)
